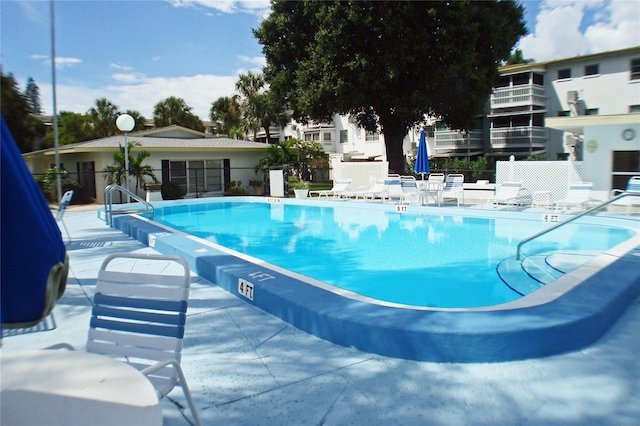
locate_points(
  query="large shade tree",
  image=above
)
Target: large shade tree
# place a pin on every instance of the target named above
(388, 64)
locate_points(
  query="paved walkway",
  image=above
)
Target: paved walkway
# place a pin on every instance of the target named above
(246, 367)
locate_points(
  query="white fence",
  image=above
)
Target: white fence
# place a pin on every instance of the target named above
(536, 176)
(363, 174)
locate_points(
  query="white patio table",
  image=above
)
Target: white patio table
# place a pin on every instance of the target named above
(61, 387)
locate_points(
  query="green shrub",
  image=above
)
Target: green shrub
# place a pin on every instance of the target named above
(171, 191)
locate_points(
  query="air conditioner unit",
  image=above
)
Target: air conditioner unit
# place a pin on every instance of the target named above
(572, 96)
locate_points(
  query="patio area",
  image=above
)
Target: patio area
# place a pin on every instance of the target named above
(247, 367)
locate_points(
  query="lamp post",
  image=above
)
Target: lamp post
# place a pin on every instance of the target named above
(126, 123)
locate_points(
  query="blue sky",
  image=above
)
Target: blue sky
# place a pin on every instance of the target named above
(137, 53)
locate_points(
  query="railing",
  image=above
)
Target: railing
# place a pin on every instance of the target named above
(108, 203)
(518, 136)
(558, 225)
(518, 95)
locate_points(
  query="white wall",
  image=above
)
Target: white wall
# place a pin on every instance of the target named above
(598, 162)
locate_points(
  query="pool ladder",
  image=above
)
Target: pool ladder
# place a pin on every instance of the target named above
(145, 207)
(558, 225)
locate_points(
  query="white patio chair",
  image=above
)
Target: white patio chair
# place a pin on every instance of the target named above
(139, 317)
(507, 194)
(434, 187)
(453, 188)
(410, 191)
(64, 203)
(578, 194)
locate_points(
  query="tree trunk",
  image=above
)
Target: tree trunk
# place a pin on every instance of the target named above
(394, 132)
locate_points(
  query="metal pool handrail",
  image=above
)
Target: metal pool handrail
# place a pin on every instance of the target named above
(108, 203)
(558, 225)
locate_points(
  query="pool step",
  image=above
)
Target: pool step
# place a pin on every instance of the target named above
(535, 271)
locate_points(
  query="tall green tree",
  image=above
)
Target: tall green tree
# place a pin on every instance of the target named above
(32, 93)
(102, 118)
(388, 63)
(15, 108)
(175, 110)
(226, 112)
(72, 128)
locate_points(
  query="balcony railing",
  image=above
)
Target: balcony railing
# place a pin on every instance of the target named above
(505, 97)
(453, 140)
(513, 137)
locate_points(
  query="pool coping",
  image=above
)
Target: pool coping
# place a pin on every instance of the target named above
(566, 315)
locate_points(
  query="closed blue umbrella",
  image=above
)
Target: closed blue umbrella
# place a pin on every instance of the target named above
(34, 266)
(422, 159)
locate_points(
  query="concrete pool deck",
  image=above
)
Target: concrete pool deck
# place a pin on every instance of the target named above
(247, 367)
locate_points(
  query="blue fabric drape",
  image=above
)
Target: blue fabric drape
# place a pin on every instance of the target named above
(32, 276)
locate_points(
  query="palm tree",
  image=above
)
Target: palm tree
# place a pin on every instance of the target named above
(175, 111)
(102, 118)
(226, 111)
(260, 109)
(250, 84)
(116, 172)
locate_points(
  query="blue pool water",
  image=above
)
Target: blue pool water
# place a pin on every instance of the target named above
(408, 258)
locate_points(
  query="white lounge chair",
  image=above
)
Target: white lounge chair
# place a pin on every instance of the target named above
(64, 203)
(374, 191)
(392, 188)
(507, 194)
(578, 194)
(453, 188)
(410, 191)
(633, 187)
(339, 187)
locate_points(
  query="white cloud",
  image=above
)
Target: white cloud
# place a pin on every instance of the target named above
(121, 67)
(256, 7)
(61, 62)
(141, 93)
(557, 34)
(129, 78)
(258, 61)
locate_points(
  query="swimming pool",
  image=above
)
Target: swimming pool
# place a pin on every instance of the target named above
(564, 315)
(408, 258)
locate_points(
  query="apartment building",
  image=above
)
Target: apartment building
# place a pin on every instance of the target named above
(517, 116)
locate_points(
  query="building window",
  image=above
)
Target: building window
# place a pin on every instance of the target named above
(312, 137)
(564, 113)
(326, 137)
(197, 176)
(538, 79)
(372, 136)
(591, 111)
(635, 69)
(344, 136)
(592, 69)
(564, 74)
(634, 108)
(625, 164)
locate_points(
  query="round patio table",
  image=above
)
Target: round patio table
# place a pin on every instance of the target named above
(61, 387)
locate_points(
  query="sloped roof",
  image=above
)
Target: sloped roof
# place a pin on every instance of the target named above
(153, 141)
